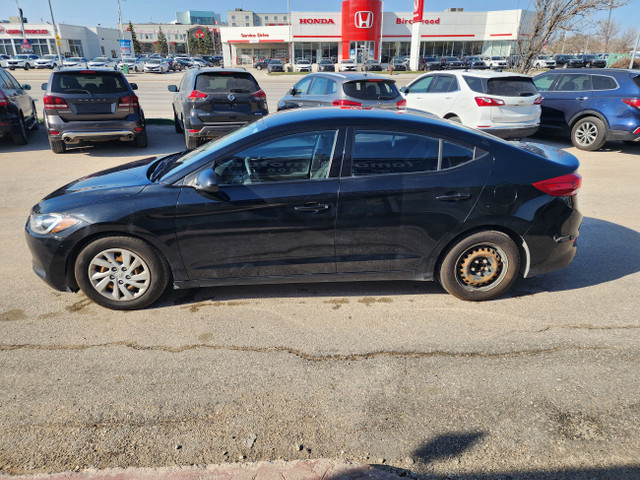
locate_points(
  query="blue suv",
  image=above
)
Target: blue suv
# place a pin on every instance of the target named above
(591, 107)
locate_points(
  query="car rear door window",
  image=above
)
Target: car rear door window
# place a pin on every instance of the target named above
(237, 82)
(301, 156)
(441, 84)
(603, 82)
(511, 87)
(574, 82)
(371, 89)
(377, 153)
(454, 155)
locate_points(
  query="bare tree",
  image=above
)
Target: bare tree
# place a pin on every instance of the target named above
(607, 30)
(551, 17)
(625, 41)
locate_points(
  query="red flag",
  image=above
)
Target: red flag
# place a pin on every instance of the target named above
(418, 6)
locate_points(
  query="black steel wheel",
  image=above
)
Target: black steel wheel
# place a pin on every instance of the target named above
(481, 266)
(121, 273)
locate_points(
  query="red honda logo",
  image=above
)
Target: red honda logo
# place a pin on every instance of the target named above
(364, 19)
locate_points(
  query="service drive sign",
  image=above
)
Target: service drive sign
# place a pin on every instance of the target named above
(364, 19)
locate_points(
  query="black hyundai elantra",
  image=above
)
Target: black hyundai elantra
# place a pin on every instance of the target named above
(314, 195)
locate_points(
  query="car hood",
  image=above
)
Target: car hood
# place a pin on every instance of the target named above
(123, 180)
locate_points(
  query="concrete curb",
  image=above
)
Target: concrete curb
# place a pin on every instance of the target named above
(319, 469)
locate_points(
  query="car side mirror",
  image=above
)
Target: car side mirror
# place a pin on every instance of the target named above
(26, 87)
(43, 86)
(134, 86)
(172, 88)
(207, 181)
(293, 91)
(404, 89)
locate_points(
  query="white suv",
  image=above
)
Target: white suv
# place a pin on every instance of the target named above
(495, 62)
(504, 104)
(47, 61)
(544, 61)
(23, 60)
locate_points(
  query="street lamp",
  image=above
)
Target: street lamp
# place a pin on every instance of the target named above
(56, 31)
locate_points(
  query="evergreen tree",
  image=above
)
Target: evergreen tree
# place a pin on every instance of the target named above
(161, 44)
(208, 43)
(134, 40)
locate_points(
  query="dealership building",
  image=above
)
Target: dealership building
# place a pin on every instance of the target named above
(361, 30)
(75, 40)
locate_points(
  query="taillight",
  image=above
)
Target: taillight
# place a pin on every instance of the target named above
(130, 101)
(346, 103)
(489, 102)
(636, 131)
(402, 104)
(195, 94)
(4, 101)
(562, 186)
(634, 102)
(52, 102)
(260, 94)
(538, 100)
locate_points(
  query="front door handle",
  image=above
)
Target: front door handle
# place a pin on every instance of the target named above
(312, 207)
(582, 98)
(453, 197)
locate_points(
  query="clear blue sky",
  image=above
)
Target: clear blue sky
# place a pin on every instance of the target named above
(105, 12)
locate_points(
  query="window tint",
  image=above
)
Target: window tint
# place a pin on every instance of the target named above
(377, 153)
(474, 83)
(441, 84)
(636, 80)
(601, 82)
(5, 83)
(219, 83)
(319, 86)
(574, 83)
(333, 87)
(422, 85)
(303, 85)
(454, 155)
(543, 82)
(371, 89)
(294, 157)
(511, 87)
(98, 82)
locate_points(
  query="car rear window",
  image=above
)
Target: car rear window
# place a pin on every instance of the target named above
(636, 80)
(237, 82)
(371, 89)
(511, 87)
(93, 82)
(603, 82)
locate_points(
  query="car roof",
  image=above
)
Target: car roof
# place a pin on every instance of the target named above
(351, 76)
(481, 73)
(609, 71)
(219, 69)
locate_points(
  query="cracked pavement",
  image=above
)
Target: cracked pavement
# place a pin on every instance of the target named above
(394, 373)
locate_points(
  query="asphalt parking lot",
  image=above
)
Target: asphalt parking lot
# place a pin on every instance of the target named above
(541, 382)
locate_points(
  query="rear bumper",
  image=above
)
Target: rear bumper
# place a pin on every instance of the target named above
(95, 131)
(623, 135)
(512, 132)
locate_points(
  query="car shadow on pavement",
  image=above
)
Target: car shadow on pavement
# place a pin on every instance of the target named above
(606, 252)
(564, 143)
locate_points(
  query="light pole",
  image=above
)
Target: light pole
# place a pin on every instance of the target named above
(290, 33)
(56, 31)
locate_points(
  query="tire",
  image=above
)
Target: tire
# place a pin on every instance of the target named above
(57, 146)
(258, 67)
(589, 133)
(141, 140)
(103, 272)
(176, 123)
(19, 136)
(27, 66)
(492, 252)
(35, 125)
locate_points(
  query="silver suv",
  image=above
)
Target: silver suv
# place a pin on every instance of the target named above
(343, 90)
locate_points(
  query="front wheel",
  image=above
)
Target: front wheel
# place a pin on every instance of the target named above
(481, 266)
(589, 134)
(258, 67)
(121, 273)
(27, 66)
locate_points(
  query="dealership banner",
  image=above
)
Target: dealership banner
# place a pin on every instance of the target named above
(125, 48)
(418, 7)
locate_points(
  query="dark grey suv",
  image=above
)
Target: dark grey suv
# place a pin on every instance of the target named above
(91, 105)
(213, 101)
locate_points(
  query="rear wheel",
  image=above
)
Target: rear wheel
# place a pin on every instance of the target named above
(121, 273)
(190, 142)
(141, 140)
(176, 123)
(481, 266)
(258, 67)
(57, 146)
(454, 118)
(589, 134)
(27, 66)
(19, 136)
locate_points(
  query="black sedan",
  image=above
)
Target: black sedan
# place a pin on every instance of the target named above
(314, 195)
(371, 65)
(326, 65)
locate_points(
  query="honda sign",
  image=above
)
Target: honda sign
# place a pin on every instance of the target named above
(364, 19)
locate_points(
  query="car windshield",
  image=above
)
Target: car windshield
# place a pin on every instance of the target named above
(371, 89)
(100, 59)
(224, 82)
(373, 61)
(275, 62)
(326, 62)
(304, 62)
(49, 57)
(452, 59)
(181, 162)
(74, 59)
(21, 57)
(88, 82)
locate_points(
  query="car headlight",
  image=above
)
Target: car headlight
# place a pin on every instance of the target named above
(45, 223)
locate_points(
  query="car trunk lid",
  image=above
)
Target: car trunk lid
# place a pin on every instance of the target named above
(221, 96)
(519, 98)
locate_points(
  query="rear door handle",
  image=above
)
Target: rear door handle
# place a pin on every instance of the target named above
(453, 197)
(582, 98)
(314, 208)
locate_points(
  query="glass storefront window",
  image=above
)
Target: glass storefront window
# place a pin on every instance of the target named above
(314, 51)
